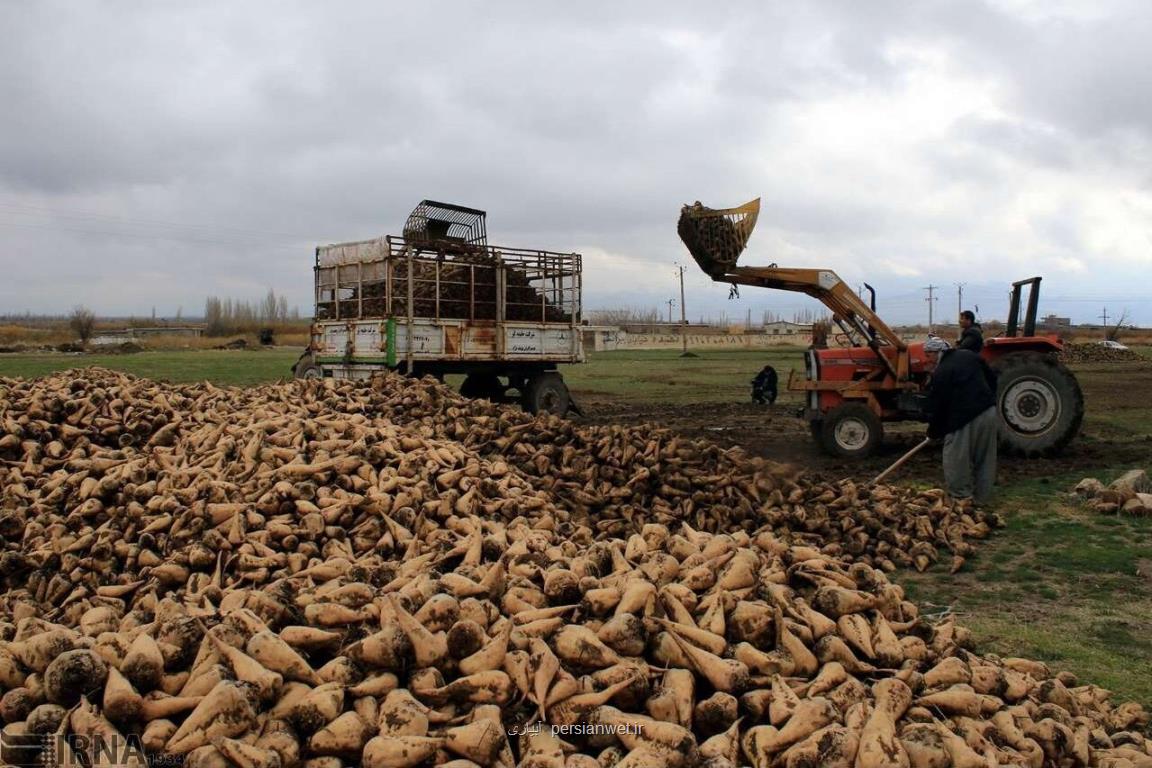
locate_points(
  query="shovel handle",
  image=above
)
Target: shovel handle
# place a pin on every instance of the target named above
(900, 461)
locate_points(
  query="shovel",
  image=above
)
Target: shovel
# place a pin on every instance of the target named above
(900, 461)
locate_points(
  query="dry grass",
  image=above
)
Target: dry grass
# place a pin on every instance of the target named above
(23, 334)
(176, 342)
(54, 333)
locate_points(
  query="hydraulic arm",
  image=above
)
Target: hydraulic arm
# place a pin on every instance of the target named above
(848, 310)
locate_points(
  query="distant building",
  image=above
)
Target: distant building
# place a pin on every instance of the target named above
(785, 328)
(130, 334)
(1052, 321)
(169, 330)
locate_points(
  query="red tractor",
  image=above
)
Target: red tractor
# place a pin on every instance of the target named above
(875, 376)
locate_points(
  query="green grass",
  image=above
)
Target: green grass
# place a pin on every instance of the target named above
(646, 375)
(1061, 584)
(239, 367)
(663, 376)
(1124, 422)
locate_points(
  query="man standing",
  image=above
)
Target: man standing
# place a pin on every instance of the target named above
(962, 408)
(971, 336)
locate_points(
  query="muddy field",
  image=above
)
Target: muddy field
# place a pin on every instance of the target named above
(1117, 429)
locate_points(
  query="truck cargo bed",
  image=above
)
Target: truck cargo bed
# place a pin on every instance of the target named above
(399, 303)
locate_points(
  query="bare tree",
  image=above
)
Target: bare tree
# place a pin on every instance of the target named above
(214, 316)
(268, 307)
(82, 322)
(820, 331)
(228, 316)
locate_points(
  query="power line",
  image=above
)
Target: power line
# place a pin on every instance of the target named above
(931, 302)
(683, 313)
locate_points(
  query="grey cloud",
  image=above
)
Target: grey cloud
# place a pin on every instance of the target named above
(285, 125)
(1032, 143)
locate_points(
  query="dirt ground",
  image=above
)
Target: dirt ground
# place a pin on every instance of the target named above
(1117, 431)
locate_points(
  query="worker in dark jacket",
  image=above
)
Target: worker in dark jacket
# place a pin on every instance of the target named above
(971, 336)
(962, 408)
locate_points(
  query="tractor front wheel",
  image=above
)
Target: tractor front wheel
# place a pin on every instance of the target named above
(1039, 402)
(851, 431)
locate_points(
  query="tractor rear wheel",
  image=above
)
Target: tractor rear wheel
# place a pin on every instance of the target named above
(1039, 402)
(851, 431)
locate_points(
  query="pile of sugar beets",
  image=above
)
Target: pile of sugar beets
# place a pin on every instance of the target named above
(326, 574)
(1098, 353)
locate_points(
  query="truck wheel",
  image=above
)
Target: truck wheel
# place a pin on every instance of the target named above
(1039, 402)
(305, 368)
(546, 393)
(851, 431)
(482, 386)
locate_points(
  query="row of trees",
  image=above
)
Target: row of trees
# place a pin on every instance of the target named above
(627, 316)
(228, 316)
(624, 317)
(221, 316)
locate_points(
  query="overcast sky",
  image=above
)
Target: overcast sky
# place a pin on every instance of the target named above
(154, 153)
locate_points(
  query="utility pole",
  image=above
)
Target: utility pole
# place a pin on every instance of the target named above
(683, 315)
(1104, 317)
(959, 299)
(670, 303)
(931, 301)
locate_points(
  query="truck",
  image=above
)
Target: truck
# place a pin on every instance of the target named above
(439, 300)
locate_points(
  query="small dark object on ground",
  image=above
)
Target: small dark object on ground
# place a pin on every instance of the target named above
(764, 386)
(234, 344)
(267, 337)
(126, 348)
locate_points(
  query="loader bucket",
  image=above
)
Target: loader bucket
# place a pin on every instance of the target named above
(717, 237)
